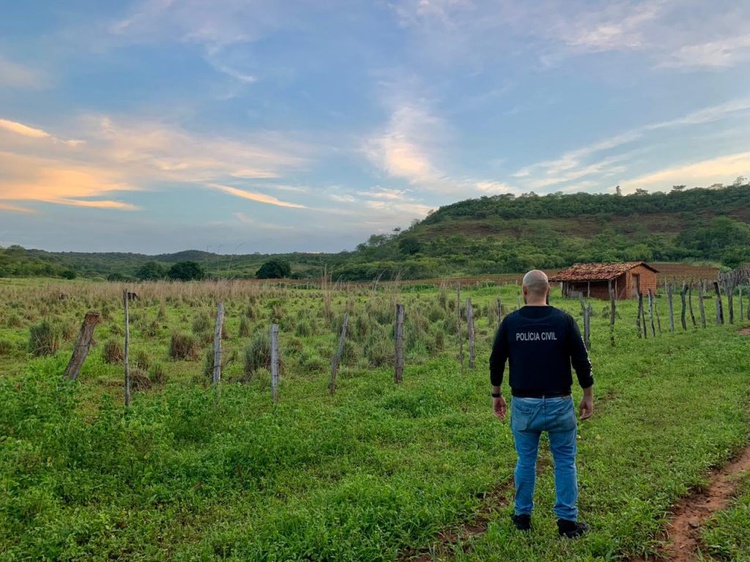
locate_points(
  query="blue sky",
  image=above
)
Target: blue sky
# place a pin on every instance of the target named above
(241, 126)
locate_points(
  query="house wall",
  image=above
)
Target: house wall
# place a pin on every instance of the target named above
(647, 281)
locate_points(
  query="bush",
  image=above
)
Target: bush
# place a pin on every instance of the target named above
(183, 346)
(139, 380)
(113, 352)
(274, 269)
(201, 323)
(44, 339)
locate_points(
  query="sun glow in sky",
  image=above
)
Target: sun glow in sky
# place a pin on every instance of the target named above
(240, 126)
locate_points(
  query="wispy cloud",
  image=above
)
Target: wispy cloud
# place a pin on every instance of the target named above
(252, 196)
(722, 53)
(704, 173)
(594, 160)
(16, 76)
(124, 156)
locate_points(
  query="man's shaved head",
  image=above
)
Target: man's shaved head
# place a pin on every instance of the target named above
(536, 282)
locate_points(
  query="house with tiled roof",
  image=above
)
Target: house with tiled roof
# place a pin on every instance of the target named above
(595, 279)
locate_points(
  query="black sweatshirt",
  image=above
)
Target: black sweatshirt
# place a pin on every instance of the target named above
(540, 343)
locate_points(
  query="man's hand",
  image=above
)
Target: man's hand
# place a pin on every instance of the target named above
(499, 407)
(586, 407)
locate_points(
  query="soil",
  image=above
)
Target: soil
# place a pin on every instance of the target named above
(684, 529)
(745, 331)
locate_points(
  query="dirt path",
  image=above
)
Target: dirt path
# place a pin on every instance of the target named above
(684, 529)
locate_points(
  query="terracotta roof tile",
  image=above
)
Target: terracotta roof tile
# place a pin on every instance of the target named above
(596, 271)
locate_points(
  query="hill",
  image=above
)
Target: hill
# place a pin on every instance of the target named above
(488, 235)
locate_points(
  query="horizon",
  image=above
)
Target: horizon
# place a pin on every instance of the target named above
(251, 126)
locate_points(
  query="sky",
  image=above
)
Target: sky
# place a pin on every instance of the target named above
(242, 126)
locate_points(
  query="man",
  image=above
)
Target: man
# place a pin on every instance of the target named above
(540, 342)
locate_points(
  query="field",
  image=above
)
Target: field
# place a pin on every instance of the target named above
(377, 471)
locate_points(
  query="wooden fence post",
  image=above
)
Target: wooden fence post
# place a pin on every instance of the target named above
(470, 331)
(690, 303)
(586, 310)
(683, 313)
(499, 311)
(337, 358)
(458, 320)
(217, 342)
(742, 308)
(719, 305)
(399, 371)
(671, 307)
(651, 312)
(729, 290)
(275, 362)
(701, 306)
(127, 348)
(83, 344)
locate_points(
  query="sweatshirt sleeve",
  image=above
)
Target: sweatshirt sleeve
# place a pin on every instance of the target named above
(499, 354)
(579, 356)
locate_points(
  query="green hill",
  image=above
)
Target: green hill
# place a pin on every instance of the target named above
(488, 235)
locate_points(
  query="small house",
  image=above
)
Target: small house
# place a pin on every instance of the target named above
(594, 279)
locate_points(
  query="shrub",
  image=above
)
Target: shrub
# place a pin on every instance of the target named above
(44, 339)
(312, 363)
(113, 352)
(378, 349)
(183, 346)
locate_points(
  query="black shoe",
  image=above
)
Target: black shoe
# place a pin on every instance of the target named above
(522, 522)
(571, 529)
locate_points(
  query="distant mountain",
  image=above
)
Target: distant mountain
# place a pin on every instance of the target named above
(488, 235)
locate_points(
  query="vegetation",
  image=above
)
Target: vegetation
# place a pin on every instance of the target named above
(376, 471)
(489, 235)
(274, 269)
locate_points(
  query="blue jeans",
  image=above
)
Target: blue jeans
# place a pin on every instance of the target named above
(556, 416)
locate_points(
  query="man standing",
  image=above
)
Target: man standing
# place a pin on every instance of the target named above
(540, 342)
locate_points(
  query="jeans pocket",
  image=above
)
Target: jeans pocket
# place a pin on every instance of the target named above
(566, 416)
(522, 414)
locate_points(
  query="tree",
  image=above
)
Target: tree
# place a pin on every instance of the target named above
(409, 245)
(151, 271)
(678, 188)
(274, 269)
(186, 271)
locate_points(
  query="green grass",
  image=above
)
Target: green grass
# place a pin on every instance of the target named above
(371, 473)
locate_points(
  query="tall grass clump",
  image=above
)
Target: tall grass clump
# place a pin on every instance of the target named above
(44, 339)
(258, 353)
(245, 327)
(113, 352)
(183, 346)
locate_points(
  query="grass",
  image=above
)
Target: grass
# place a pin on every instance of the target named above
(371, 473)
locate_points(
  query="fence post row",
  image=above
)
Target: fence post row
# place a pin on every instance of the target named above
(399, 371)
(651, 312)
(701, 306)
(683, 312)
